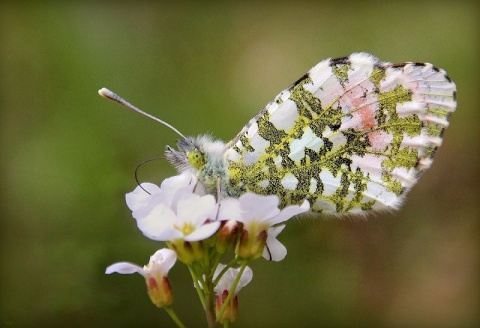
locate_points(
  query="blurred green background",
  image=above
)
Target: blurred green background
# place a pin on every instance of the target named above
(67, 159)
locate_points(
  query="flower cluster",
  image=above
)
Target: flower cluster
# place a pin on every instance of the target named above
(199, 230)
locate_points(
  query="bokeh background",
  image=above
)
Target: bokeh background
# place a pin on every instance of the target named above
(67, 159)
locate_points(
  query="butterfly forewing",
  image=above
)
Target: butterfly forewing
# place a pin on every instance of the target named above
(352, 135)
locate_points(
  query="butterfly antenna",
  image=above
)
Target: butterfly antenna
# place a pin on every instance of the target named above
(140, 164)
(105, 93)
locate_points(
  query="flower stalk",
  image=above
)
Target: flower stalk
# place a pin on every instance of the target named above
(209, 304)
(200, 232)
(174, 317)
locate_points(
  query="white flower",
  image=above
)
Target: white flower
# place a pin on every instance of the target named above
(148, 195)
(274, 250)
(155, 274)
(160, 263)
(229, 209)
(258, 214)
(222, 291)
(226, 281)
(173, 211)
(263, 210)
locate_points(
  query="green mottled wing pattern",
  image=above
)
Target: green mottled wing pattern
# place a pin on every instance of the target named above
(352, 135)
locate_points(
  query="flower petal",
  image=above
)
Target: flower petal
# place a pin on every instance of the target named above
(245, 279)
(229, 209)
(182, 184)
(158, 224)
(125, 268)
(289, 212)
(274, 250)
(203, 232)
(164, 259)
(176, 182)
(258, 207)
(226, 281)
(195, 209)
(155, 199)
(139, 198)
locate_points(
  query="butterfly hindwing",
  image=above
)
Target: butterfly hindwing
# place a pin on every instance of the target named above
(352, 135)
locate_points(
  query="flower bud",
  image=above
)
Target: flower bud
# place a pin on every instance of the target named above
(187, 252)
(159, 290)
(227, 236)
(231, 311)
(252, 242)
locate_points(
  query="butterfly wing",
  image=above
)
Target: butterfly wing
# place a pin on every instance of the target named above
(353, 134)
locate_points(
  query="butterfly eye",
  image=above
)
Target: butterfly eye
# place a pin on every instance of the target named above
(196, 159)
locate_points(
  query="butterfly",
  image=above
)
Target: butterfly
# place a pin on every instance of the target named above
(351, 136)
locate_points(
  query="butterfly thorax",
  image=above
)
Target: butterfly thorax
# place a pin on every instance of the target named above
(203, 157)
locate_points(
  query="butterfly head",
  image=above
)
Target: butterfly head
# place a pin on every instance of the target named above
(202, 156)
(188, 156)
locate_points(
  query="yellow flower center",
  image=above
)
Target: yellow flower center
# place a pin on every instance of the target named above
(186, 229)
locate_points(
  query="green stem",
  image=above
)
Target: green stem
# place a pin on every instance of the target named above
(197, 285)
(228, 266)
(215, 262)
(204, 287)
(174, 317)
(210, 304)
(231, 292)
